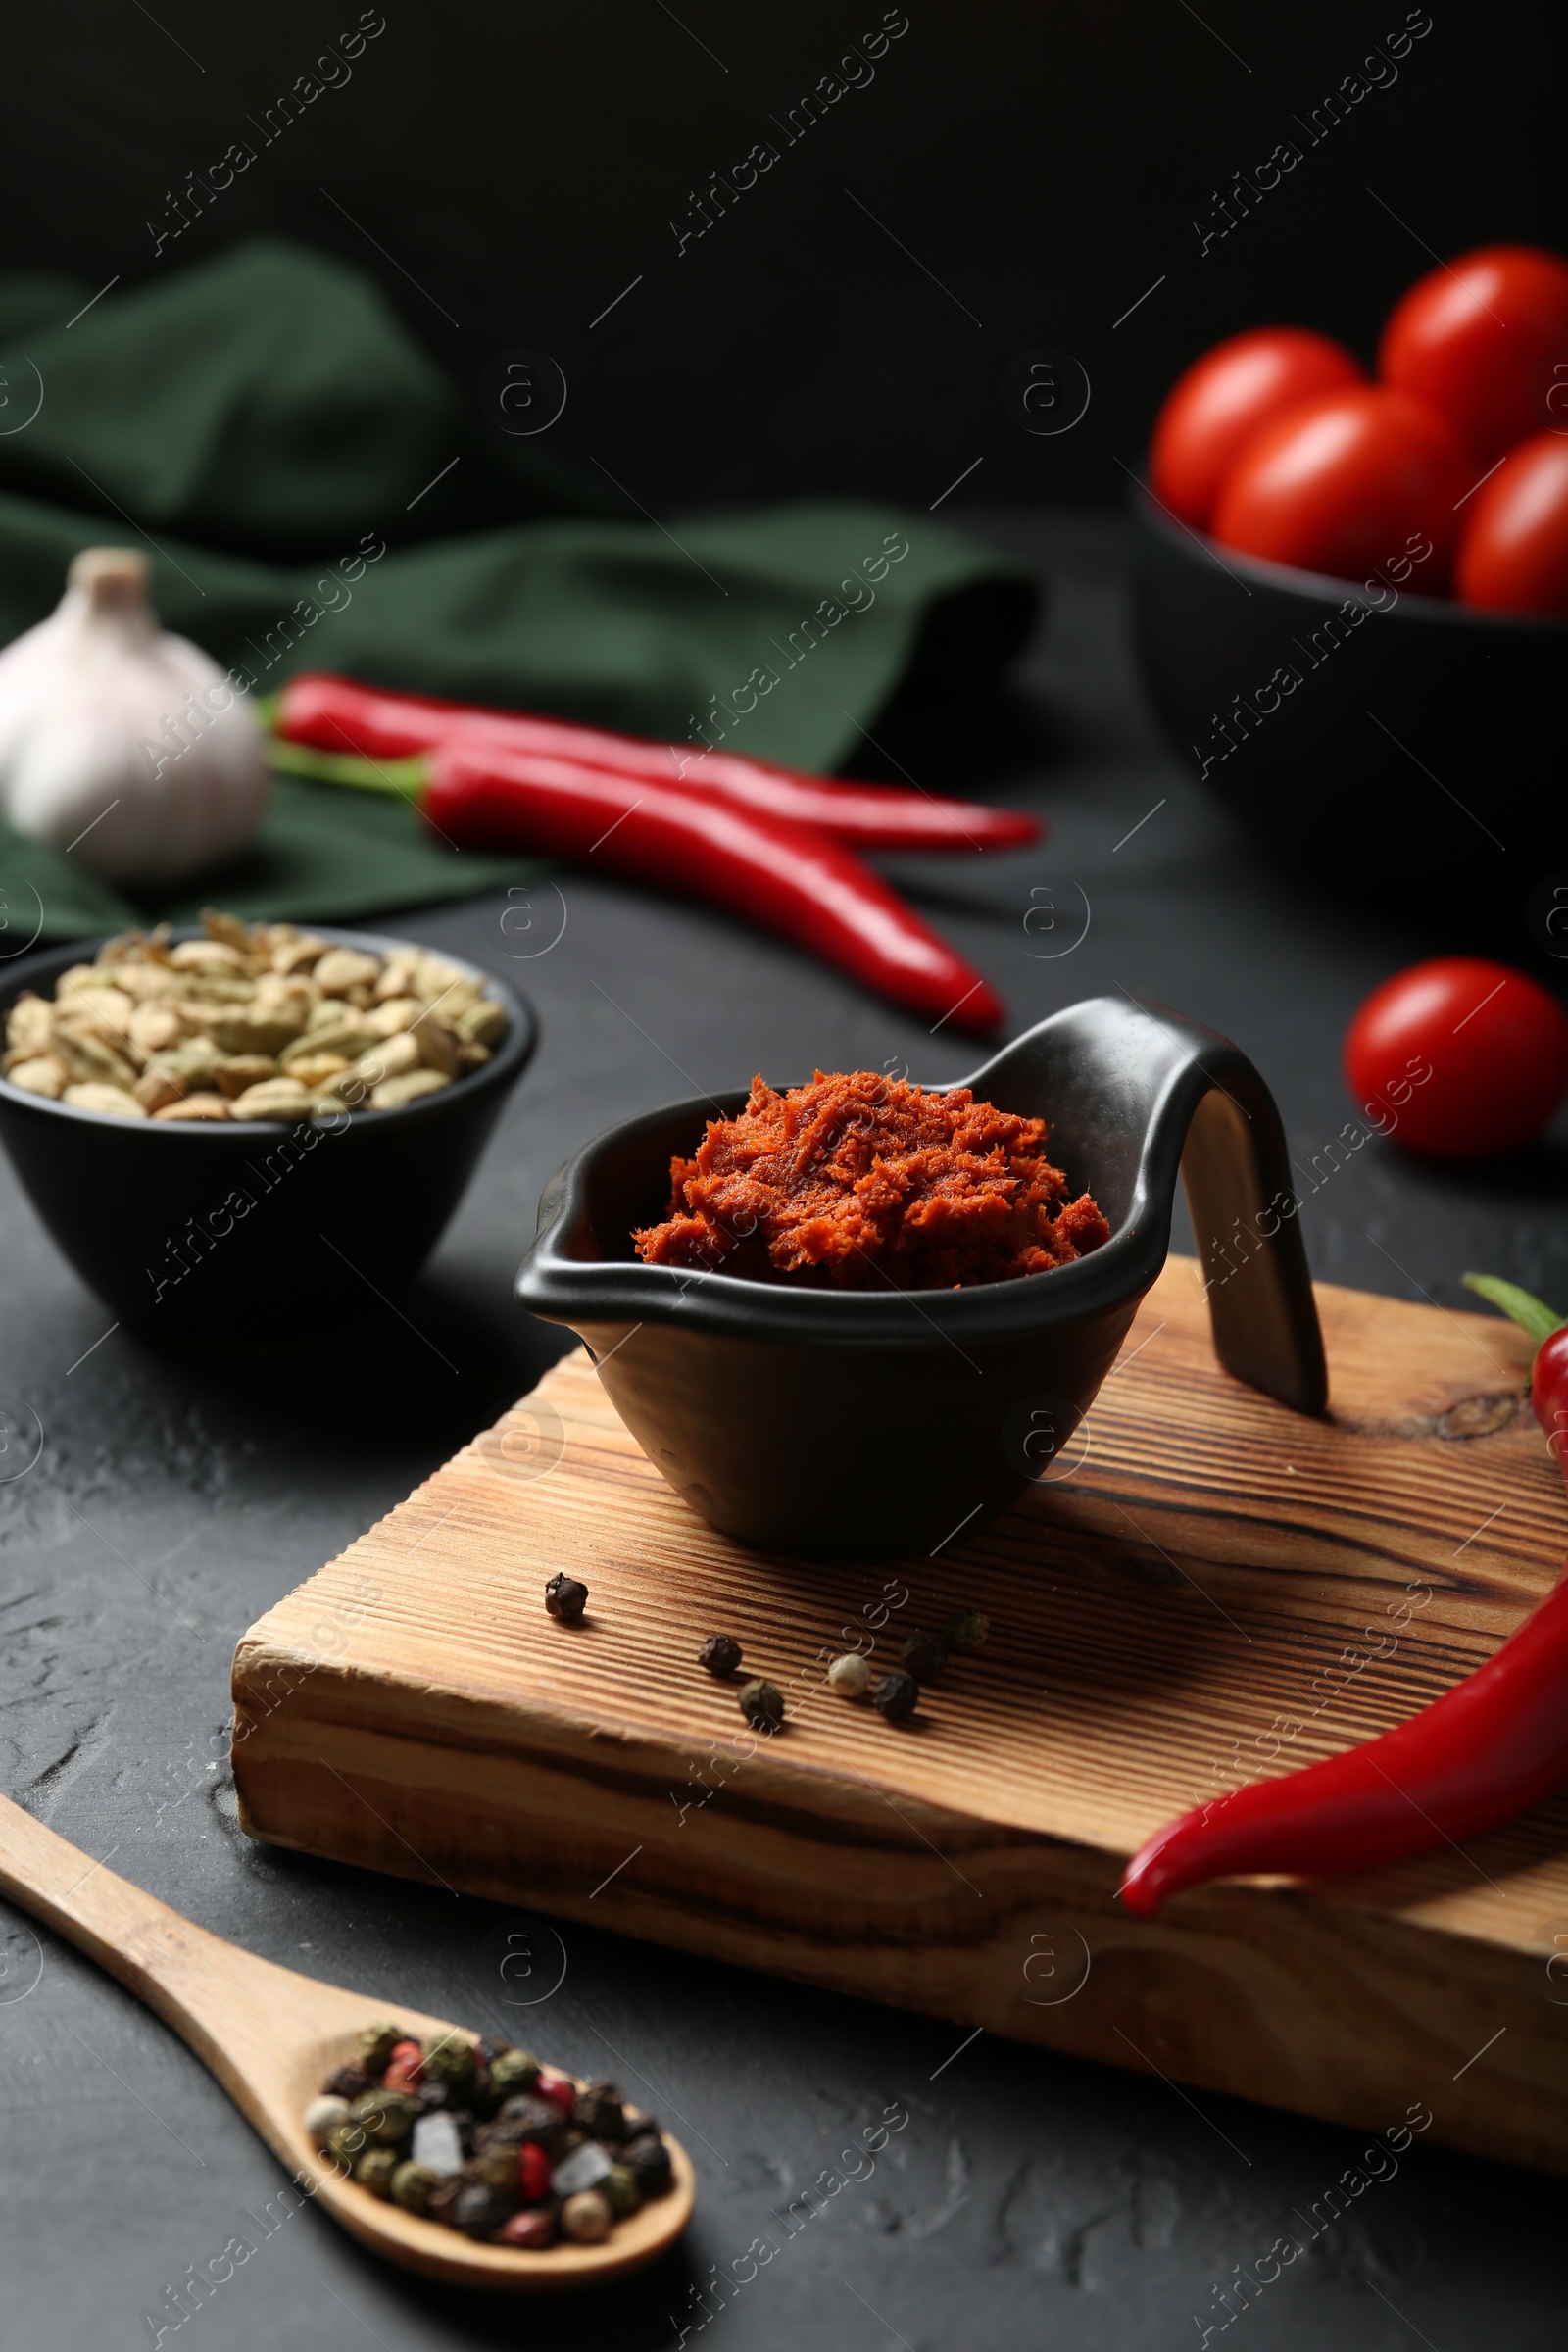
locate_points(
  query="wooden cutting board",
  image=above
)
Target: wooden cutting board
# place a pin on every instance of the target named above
(1219, 1589)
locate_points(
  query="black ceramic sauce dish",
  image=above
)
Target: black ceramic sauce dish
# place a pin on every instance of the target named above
(870, 1423)
(1401, 747)
(259, 1232)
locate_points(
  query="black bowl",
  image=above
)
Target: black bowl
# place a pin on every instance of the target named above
(1399, 746)
(264, 1231)
(868, 1423)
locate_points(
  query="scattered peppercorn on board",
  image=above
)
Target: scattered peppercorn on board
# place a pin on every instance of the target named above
(1219, 1591)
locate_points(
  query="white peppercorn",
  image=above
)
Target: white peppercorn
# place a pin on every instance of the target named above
(849, 1676)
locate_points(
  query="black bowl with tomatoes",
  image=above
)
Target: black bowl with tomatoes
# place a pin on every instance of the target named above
(1352, 591)
(1410, 750)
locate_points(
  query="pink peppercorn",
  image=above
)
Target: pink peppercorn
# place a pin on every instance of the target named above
(560, 2091)
(534, 2173)
(531, 2232)
(405, 2069)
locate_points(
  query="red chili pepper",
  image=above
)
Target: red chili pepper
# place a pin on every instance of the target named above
(789, 877)
(334, 715)
(1486, 1750)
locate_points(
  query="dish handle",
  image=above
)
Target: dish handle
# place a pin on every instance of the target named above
(1236, 1173)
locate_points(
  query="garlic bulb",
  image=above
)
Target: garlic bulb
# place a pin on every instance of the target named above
(123, 745)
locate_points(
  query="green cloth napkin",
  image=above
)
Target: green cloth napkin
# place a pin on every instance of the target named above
(323, 855)
(314, 494)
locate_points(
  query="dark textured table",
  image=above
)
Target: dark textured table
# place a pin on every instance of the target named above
(1030, 2200)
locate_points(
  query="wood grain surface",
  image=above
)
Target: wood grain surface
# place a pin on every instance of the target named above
(1216, 1591)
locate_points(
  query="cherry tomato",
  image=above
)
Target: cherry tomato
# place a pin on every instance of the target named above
(1478, 340)
(1513, 534)
(1458, 1058)
(1346, 482)
(1225, 396)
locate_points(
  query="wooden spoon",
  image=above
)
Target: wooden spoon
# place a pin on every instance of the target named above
(271, 2037)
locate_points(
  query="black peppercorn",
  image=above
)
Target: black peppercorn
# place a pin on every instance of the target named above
(598, 2112)
(486, 2093)
(761, 1704)
(444, 2194)
(567, 1599)
(479, 2210)
(895, 1695)
(721, 1653)
(646, 2159)
(525, 2117)
(348, 2083)
(923, 1656)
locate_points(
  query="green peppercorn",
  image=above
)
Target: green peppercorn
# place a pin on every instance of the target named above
(620, 2191)
(923, 1656)
(385, 2116)
(376, 2170)
(966, 1628)
(762, 1704)
(346, 2143)
(496, 2166)
(412, 2185)
(895, 1695)
(513, 2071)
(376, 2046)
(450, 2061)
(721, 1653)
(566, 1598)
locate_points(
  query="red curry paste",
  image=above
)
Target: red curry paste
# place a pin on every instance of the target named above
(861, 1181)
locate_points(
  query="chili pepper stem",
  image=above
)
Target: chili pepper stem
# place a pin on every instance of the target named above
(403, 779)
(1530, 1313)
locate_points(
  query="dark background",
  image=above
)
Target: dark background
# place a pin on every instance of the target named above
(1045, 164)
(1032, 2200)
